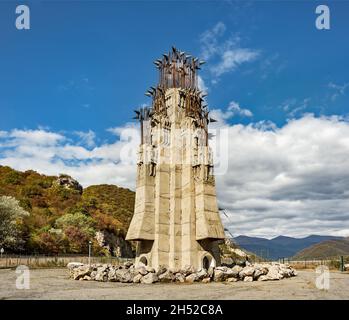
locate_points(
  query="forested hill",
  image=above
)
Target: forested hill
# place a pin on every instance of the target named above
(324, 250)
(63, 216)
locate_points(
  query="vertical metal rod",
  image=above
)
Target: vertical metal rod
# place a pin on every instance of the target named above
(142, 135)
(89, 253)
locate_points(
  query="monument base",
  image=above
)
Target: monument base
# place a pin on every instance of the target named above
(204, 254)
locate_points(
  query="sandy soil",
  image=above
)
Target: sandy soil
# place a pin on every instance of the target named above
(55, 284)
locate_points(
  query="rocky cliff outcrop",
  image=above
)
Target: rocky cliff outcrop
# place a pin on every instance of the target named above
(68, 182)
(117, 246)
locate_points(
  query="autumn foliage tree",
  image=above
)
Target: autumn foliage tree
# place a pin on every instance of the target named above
(11, 219)
(63, 216)
(78, 228)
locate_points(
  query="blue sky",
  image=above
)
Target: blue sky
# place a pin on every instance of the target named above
(86, 65)
(69, 85)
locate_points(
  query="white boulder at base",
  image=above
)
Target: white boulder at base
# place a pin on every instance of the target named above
(128, 273)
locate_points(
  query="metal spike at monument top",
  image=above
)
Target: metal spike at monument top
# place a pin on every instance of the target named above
(176, 220)
(178, 70)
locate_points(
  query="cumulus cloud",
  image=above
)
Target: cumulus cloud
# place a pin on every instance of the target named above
(228, 54)
(233, 109)
(53, 153)
(292, 180)
(35, 137)
(87, 138)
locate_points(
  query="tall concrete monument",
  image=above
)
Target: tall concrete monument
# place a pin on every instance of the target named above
(176, 220)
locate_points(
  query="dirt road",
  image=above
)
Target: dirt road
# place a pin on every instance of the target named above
(55, 284)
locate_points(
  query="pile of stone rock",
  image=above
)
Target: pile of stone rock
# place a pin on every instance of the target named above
(128, 273)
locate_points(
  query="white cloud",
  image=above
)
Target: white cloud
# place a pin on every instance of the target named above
(209, 40)
(201, 84)
(232, 110)
(36, 137)
(129, 125)
(292, 180)
(52, 153)
(228, 54)
(87, 138)
(231, 59)
(236, 109)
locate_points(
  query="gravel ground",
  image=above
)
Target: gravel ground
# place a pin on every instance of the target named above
(55, 284)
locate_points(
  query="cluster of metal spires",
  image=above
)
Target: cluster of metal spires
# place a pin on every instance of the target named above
(178, 70)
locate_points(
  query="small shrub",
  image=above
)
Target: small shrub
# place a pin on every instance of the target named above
(13, 177)
(31, 190)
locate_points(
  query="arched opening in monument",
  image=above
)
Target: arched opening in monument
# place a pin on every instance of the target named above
(208, 261)
(143, 260)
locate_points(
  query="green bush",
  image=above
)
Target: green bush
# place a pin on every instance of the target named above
(11, 218)
(31, 190)
(13, 177)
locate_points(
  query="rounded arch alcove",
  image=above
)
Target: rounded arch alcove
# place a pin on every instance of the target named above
(143, 260)
(207, 261)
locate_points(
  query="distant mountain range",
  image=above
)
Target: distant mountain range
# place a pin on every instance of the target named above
(325, 249)
(281, 246)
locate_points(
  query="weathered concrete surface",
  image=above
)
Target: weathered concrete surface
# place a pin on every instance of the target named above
(176, 219)
(55, 284)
